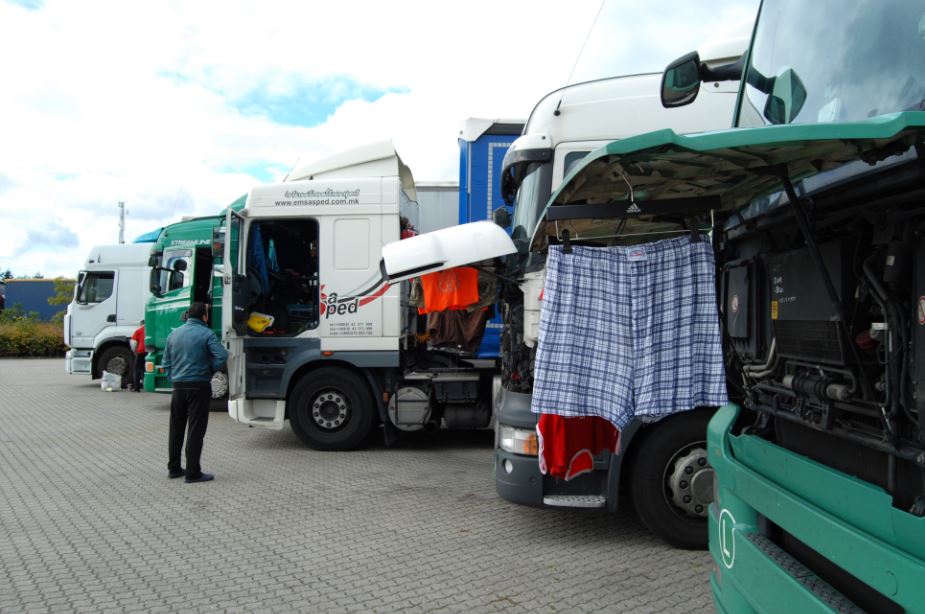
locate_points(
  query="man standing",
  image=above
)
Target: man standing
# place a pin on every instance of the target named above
(137, 343)
(192, 355)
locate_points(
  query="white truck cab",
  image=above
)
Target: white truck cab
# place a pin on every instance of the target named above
(108, 305)
(315, 332)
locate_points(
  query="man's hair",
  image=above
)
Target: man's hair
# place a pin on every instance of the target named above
(197, 310)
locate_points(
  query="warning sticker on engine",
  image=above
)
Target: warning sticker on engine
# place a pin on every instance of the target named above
(774, 309)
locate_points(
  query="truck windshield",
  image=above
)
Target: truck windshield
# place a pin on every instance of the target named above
(531, 198)
(832, 61)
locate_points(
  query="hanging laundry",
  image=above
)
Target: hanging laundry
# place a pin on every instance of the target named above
(488, 291)
(455, 288)
(416, 295)
(271, 257)
(461, 328)
(567, 445)
(629, 332)
(257, 260)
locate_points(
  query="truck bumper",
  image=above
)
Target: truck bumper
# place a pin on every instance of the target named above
(849, 523)
(518, 478)
(78, 361)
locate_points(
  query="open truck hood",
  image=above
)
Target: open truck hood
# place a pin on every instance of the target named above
(444, 249)
(660, 177)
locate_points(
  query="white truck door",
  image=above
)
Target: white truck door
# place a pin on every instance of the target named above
(232, 276)
(94, 307)
(444, 249)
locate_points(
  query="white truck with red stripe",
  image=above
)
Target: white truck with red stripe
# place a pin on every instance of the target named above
(315, 334)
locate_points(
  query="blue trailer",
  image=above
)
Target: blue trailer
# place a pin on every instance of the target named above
(482, 145)
(32, 295)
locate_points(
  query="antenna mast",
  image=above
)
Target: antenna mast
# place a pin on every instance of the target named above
(121, 222)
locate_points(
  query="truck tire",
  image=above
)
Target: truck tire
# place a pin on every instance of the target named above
(672, 483)
(119, 360)
(331, 409)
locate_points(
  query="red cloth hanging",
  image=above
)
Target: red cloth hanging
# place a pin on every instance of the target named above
(451, 289)
(567, 444)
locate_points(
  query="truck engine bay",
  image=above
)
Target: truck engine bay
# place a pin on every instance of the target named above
(825, 376)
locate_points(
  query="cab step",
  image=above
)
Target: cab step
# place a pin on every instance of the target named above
(588, 501)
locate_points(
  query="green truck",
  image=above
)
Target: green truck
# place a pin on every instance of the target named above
(182, 271)
(817, 202)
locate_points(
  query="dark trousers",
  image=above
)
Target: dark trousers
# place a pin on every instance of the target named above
(139, 372)
(189, 405)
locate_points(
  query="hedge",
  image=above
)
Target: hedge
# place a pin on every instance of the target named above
(24, 336)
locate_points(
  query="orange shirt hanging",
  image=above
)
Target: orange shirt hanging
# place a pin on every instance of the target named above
(451, 289)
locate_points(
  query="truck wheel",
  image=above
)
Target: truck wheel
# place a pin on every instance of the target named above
(672, 484)
(119, 360)
(331, 409)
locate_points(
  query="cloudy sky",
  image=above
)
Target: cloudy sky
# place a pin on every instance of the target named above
(177, 108)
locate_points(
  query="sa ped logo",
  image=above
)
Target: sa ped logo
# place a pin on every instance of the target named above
(332, 306)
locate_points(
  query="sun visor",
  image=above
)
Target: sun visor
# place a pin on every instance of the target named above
(444, 249)
(663, 176)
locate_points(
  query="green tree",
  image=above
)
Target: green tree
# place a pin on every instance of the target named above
(64, 291)
(7, 274)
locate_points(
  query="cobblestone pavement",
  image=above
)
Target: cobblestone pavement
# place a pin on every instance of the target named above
(89, 521)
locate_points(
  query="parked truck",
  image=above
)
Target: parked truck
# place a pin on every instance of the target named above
(819, 496)
(344, 354)
(108, 306)
(563, 128)
(483, 144)
(182, 271)
(174, 286)
(315, 334)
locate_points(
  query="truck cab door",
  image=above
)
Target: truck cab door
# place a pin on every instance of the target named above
(233, 336)
(93, 308)
(444, 249)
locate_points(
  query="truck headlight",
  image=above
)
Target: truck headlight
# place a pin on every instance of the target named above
(517, 441)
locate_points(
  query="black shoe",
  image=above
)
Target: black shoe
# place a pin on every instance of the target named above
(179, 473)
(202, 477)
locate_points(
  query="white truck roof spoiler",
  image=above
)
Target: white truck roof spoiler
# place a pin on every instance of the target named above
(377, 159)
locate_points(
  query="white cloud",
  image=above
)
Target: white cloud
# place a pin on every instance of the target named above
(109, 100)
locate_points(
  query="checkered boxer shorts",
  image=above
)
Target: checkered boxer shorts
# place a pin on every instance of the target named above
(629, 332)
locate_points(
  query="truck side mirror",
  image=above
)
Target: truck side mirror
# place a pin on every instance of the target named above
(502, 217)
(179, 265)
(681, 81)
(218, 242)
(154, 282)
(786, 99)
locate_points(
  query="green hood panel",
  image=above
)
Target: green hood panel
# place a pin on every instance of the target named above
(668, 175)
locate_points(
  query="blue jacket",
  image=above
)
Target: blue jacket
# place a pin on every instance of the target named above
(193, 353)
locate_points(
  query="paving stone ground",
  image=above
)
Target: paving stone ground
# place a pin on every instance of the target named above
(89, 521)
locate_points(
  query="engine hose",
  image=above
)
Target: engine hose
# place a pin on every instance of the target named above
(888, 308)
(890, 311)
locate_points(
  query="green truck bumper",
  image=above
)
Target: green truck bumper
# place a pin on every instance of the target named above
(849, 522)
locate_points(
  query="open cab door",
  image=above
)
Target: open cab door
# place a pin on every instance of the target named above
(444, 249)
(237, 296)
(232, 335)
